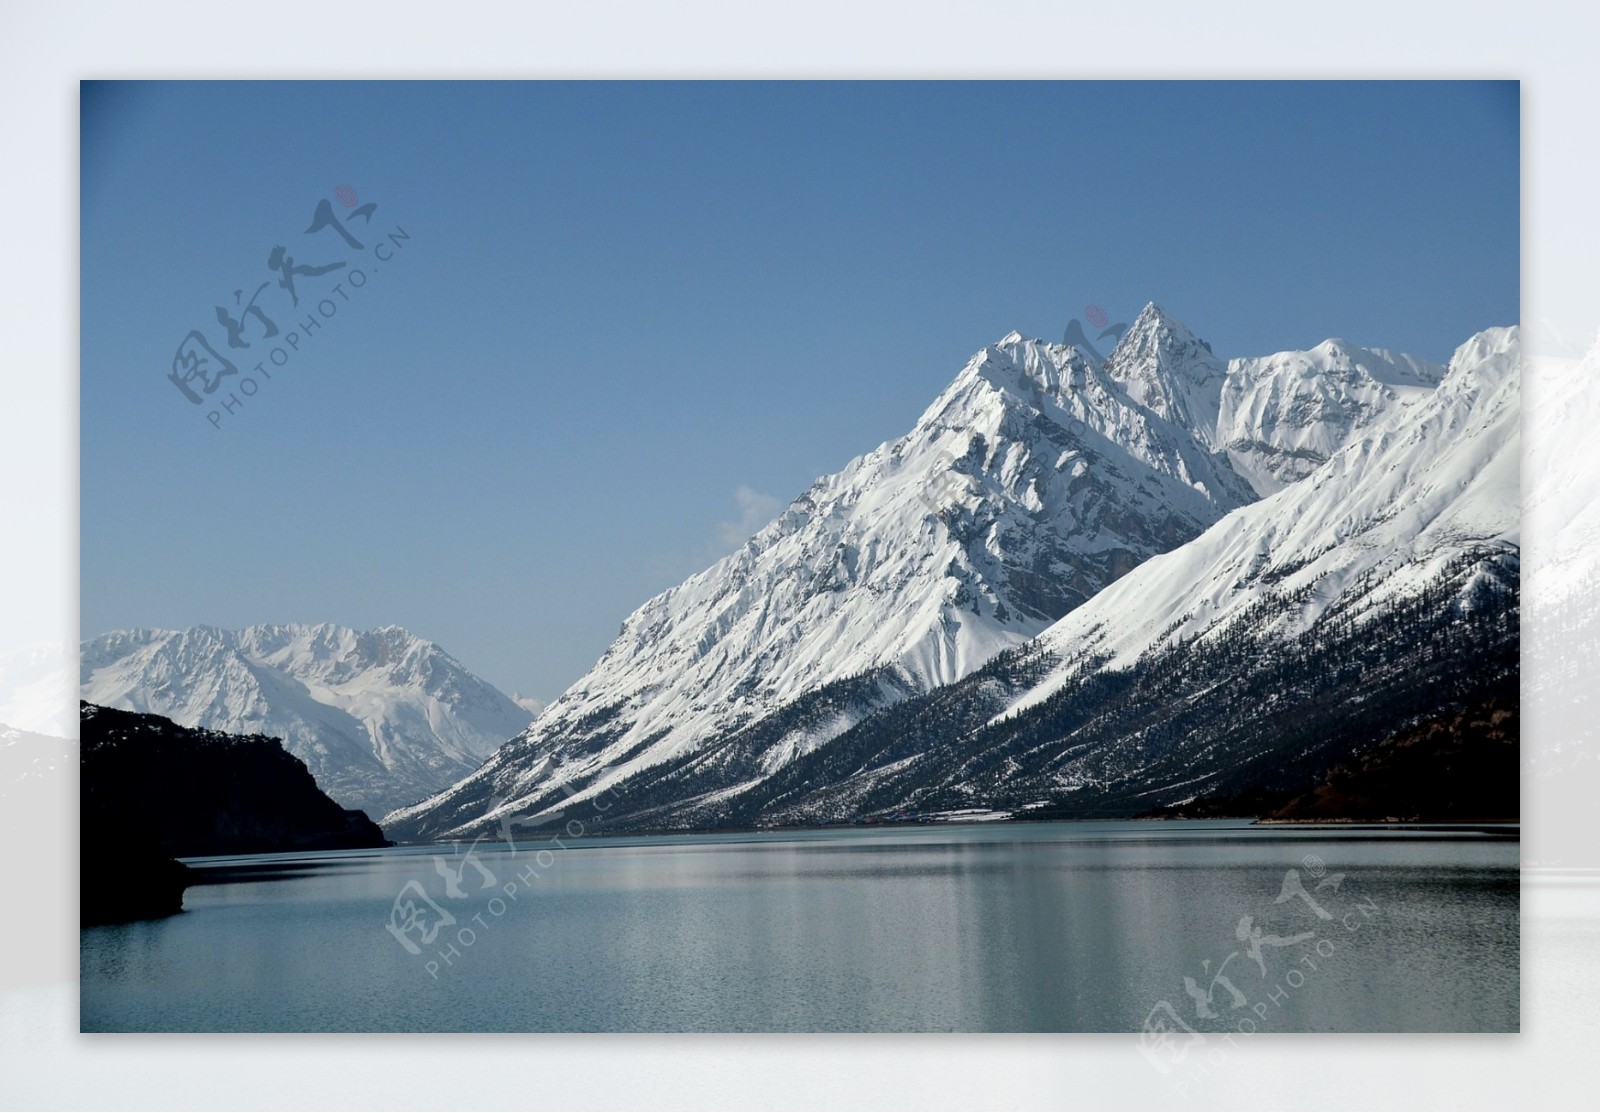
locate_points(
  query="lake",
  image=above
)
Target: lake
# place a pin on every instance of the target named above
(1090, 926)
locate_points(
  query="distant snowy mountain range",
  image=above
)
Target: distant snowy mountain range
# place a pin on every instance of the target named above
(1050, 519)
(381, 717)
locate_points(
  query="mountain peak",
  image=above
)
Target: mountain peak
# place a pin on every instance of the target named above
(1031, 483)
(1036, 480)
(1167, 368)
(1155, 324)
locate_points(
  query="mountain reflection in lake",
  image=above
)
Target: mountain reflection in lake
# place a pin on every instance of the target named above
(981, 927)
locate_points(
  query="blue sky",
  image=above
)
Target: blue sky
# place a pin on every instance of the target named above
(631, 318)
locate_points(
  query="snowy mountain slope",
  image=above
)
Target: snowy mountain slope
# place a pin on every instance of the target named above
(1561, 505)
(1562, 485)
(1281, 416)
(1379, 591)
(39, 691)
(1033, 481)
(382, 718)
(1039, 477)
(1277, 417)
(1382, 516)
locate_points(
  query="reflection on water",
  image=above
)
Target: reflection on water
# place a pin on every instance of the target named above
(1009, 927)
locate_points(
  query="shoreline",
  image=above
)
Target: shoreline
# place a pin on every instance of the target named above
(1494, 827)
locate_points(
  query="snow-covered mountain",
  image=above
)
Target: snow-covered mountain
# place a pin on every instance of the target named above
(1276, 417)
(1561, 505)
(1380, 519)
(1281, 416)
(39, 690)
(1379, 592)
(1036, 479)
(1033, 481)
(382, 718)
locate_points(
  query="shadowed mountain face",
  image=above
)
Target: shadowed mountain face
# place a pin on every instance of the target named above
(1055, 529)
(201, 792)
(1458, 767)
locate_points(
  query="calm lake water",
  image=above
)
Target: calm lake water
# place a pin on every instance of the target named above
(973, 927)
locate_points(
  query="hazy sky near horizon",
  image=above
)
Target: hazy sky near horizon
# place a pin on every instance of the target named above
(605, 330)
